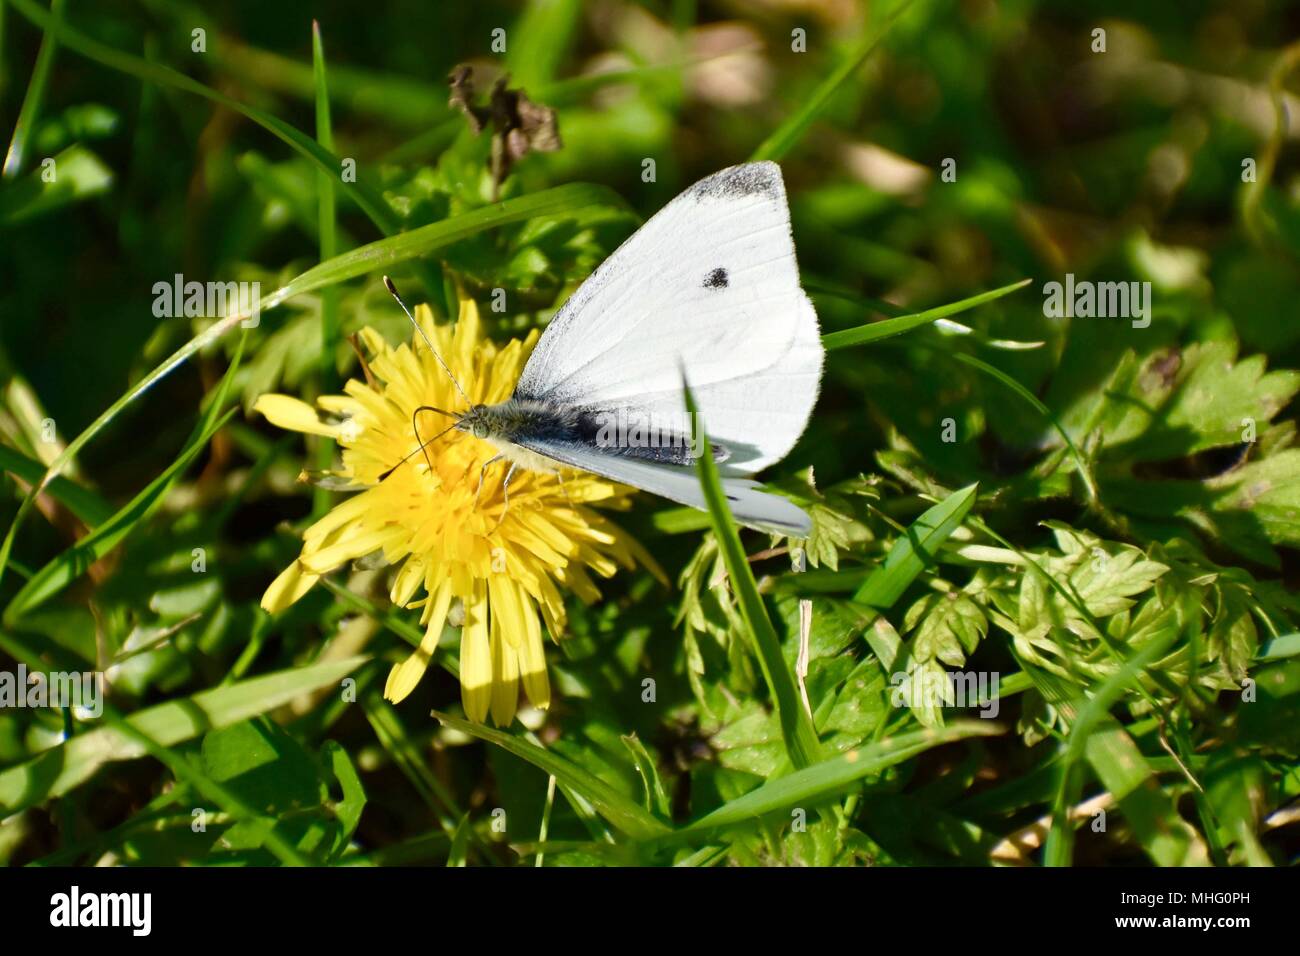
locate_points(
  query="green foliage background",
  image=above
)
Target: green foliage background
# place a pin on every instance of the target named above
(1104, 516)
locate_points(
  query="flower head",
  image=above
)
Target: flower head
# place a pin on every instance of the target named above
(455, 544)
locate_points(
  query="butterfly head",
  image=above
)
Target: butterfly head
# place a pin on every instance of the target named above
(477, 421)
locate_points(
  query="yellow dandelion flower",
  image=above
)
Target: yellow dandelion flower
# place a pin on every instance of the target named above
(446, 535)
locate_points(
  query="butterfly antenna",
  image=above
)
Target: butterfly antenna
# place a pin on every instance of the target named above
(424, 445)
(392, 289)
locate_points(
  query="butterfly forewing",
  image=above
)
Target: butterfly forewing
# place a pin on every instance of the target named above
(710, 285)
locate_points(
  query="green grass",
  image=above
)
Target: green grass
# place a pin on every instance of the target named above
(1103, 517)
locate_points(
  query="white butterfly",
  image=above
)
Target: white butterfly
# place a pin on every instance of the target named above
(707, 290)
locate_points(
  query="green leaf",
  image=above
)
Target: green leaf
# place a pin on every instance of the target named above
(1267, 492)
(916, 549)
(263, 773)
(947, 628)
(951, 626)
(261, 764)
(78, 174)
(1102, 577)
(619, 810)
(64, 767)
(1284, 645)
(348, 810)
(1210, 404)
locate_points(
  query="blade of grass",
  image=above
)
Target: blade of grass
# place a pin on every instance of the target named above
(30, 111)
(539, 859)
(326, 227)
(656, 798)
(621, 811)
(384, 253)
(823, 287)
(914, 550)
(82, 502)
(460, 843)
(874, 331)
(57, 770)
(1123, 770)
(406, 755)
(787, 135)
(1085, 472)
(540, 40)
(801, 743)
(827, 778)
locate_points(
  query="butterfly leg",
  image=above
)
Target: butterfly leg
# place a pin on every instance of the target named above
(559, 476)
(483, 471)
(505, 490)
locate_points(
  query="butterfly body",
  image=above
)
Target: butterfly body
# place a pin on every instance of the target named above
(605, 431)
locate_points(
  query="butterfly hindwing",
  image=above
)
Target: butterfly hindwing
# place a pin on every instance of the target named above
(749, 505)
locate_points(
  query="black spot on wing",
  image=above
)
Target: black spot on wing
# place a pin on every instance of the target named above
(717, 279)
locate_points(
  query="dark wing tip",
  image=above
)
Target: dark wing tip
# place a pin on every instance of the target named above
(747, 179)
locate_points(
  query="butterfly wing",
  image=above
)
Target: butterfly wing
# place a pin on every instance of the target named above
(710, 285)
(750, 506)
